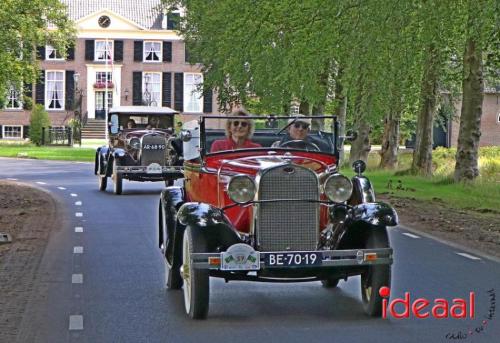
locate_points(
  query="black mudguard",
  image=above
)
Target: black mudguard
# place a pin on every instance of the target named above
(101, 160)
(361, 219)
(171, 200)
(216, 228)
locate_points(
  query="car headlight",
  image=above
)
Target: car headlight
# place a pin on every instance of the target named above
(135, 143)
(241, 189)
(338, 188)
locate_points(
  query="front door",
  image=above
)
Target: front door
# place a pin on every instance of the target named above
(100, 110)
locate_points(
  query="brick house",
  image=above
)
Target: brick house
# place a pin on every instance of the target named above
(490, 120)
(126, 53)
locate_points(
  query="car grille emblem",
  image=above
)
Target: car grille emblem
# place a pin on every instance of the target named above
(289, 170)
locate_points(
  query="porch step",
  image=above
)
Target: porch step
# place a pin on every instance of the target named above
(94, 129)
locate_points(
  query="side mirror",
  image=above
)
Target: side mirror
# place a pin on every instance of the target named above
(113, 124)
(359, 167)
(185, 135)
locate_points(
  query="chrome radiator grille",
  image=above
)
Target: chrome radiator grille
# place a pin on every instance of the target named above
(154, 155)
(288, 225)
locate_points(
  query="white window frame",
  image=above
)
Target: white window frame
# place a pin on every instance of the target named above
(3, 132)
(47, 54)
(157, 100)
(191, 95)
(159, 52)
(111, 52)
(18, 98)
(47, 100)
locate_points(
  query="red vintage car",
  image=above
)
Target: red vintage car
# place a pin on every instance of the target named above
(276, 210)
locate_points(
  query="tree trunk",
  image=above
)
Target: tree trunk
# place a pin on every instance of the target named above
(304, 108)
(390, 142)
(341, 113)
(360, 148)
(422, 155)
(466, 167)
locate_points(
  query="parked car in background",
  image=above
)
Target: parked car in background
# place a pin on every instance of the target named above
(277, 212)
(141, 147)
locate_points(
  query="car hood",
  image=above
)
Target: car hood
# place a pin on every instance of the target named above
(254, 164)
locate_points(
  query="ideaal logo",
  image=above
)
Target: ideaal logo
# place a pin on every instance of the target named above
(439, 308)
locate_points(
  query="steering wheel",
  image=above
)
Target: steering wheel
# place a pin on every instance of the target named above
(300, 144)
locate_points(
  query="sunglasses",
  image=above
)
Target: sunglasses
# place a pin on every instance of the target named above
(298, 125)
(237, 123)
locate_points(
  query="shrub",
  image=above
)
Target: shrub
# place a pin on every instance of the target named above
(38, 120)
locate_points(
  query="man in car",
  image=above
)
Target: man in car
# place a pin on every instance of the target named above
(298, 136)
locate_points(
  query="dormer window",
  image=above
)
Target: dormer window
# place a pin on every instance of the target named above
(152, 52)
(173, 18)
(103, 50)
(52, 54)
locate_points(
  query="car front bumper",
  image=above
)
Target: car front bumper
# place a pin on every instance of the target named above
(328, 258)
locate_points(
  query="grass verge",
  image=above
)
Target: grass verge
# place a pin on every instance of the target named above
(47, 153)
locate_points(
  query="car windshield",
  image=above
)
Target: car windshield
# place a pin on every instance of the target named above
(294, 133)
(138, 122)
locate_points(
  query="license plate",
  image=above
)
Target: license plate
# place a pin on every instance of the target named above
(153, 146)
(153, 168)
(292, 259)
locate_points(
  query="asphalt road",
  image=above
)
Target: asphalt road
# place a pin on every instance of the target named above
(102, 280)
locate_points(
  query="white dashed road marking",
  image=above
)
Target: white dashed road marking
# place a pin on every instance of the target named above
(41, 183)
(410, 235)
(77, 250)
(76, 322)
(78, 214)
(11, 179)
(470, 257)
(77, 278)
(74, 194)
(78, 203)
(78, 229)
(61, 188)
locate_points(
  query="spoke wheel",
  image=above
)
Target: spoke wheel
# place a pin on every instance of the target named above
(196, 281)
(375, 277)
(117, 179)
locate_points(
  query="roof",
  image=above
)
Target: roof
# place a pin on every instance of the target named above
(146, 13)
(147, 110)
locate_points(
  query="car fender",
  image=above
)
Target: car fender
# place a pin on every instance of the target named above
(218, 231)
(101, 160)
(361, 219)
(362, 190)
(171, 199)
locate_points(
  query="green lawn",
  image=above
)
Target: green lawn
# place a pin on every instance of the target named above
(483, 194)
(47, 153)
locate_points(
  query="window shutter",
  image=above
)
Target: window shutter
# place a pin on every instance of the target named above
(173, 21)
(167, 51)
(137, 88)
(40, 52)
(207, 101)
(166, 98)
(89, 50)
(118, 50)
(70, 53)
(179, 92)
(138, 46)
(70, 89)
(186, 54)
(40, 89)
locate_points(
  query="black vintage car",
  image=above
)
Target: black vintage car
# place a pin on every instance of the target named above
(276, 211)
(141, 147)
